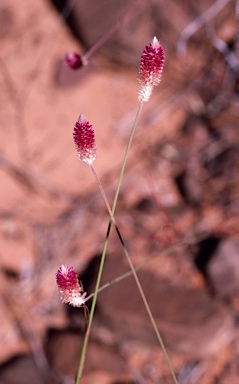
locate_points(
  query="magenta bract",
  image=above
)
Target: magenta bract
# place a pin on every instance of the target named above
(151, 67)
(70, 289)
(84, 139)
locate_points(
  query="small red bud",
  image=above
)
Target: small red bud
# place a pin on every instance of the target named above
(73, 60)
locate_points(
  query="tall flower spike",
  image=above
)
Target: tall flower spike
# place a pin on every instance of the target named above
(151, 67)
(84, 139)
(70, 289)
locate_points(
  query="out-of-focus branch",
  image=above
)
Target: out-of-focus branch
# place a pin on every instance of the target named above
(229, 56)
(31, 181)
(18, 112)
(203, 19)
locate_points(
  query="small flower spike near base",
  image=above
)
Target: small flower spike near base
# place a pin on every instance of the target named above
(151, 67)
(84, 139)
(70, 289)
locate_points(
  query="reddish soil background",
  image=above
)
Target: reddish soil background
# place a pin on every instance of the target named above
(178, 205)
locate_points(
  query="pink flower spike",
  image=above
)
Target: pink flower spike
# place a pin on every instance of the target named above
(84, 139)
(151, 67)
(70, 289)
(73, 60)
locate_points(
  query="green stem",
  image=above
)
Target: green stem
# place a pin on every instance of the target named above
(87, 334)
(135, 276)
(102, 261)
(125, 275)
(97, 287)
(125, 158)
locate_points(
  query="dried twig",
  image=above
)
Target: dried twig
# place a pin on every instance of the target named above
(222, 47)
(31, 181)
(203, 19)
(18, 112)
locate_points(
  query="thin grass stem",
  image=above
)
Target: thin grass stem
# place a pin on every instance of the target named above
(125, 275)
(97, 287)
(126, 157)
(102, 261)
(109, 33)
(92, 310)
(135, 276)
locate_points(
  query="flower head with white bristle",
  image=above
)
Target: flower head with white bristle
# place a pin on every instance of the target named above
(70, 289)
(151, 67)
(84, 139)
